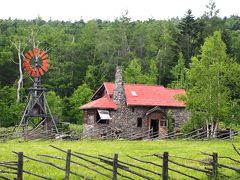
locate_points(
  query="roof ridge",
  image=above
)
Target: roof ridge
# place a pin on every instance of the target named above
(137, 84)
(174, 89)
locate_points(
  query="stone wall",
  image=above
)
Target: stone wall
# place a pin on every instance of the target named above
(180, 115)
(119, 92)
(125, 117)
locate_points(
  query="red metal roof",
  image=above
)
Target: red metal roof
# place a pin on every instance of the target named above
(148, 95)
(138, 95)
(104, 102)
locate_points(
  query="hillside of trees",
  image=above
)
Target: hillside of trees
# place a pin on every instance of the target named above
(85, 54)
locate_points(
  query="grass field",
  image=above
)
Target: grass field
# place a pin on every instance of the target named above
(190, 149)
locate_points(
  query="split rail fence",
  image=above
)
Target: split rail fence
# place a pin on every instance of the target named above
(111, 133)
(113, 168)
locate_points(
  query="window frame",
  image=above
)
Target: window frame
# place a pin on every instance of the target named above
(139, 122)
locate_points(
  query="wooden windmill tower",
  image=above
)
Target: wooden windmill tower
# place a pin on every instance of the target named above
(37, 119)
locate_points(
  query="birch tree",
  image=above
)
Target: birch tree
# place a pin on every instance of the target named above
(19, 47)
(207, 93)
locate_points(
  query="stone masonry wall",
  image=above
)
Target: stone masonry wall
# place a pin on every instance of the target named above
(125, 117)
(119, 92)
(180, 115)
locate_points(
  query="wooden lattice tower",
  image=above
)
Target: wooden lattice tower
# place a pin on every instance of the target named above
(37, 119)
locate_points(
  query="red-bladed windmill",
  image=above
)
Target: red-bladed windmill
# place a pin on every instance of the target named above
(37, 119)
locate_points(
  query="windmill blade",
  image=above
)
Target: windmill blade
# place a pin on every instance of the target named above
(42, 54)
(26, 59)
(45, 56)
(34, 52)
(45, 60)
(31, 53)
(28, 56)
(40, 71)
(44, 67)
(37, 74)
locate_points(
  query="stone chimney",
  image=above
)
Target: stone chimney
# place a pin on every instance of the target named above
(118, 92)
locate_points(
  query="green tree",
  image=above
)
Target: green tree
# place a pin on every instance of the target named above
(232, 81)
(151, 76)
(207, 94)
(10, 111)
(179, 72)
(79, 97)
(170, 121)
(189, 38)
(211, 10)
(133, 73)
(55, 104)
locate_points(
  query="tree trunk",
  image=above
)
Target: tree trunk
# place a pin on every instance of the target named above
(207, 124)
(215, 130)
(20, 81)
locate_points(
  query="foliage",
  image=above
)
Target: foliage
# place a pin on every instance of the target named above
(189, 38)
(151, 76)
(211, 10)
(79, 97)
(55, 104)
(179, 73)
(76, 129)
(232, 81)
(133, 73)
(197, 121)
(10, 111)
(207, 94)
(171, 122)
(88, 52)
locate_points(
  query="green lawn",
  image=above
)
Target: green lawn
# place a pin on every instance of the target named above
(190, 149)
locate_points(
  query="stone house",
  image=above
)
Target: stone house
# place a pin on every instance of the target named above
(132, 108)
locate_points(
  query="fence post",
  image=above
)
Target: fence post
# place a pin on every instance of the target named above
(215, 165)
(115, 165)
(68, 161)
(20, 166)
(165, 166)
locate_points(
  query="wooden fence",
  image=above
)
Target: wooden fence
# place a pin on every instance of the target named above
(113, 133)
(109, 132)
(114, 168)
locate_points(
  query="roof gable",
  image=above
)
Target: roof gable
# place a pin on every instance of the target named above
(104, 102)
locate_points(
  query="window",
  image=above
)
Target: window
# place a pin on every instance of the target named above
(103, 117)
(103, 121)
(133, 109)
(163, 123)
(139, 122)
(133, 93)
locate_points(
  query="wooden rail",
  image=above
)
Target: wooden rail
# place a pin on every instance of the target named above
(113, 168)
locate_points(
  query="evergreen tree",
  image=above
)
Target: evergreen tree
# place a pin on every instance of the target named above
(189, 38)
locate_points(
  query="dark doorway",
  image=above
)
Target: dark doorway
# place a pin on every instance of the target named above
(155, 127)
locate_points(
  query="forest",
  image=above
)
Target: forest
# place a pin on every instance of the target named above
(199, 54)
